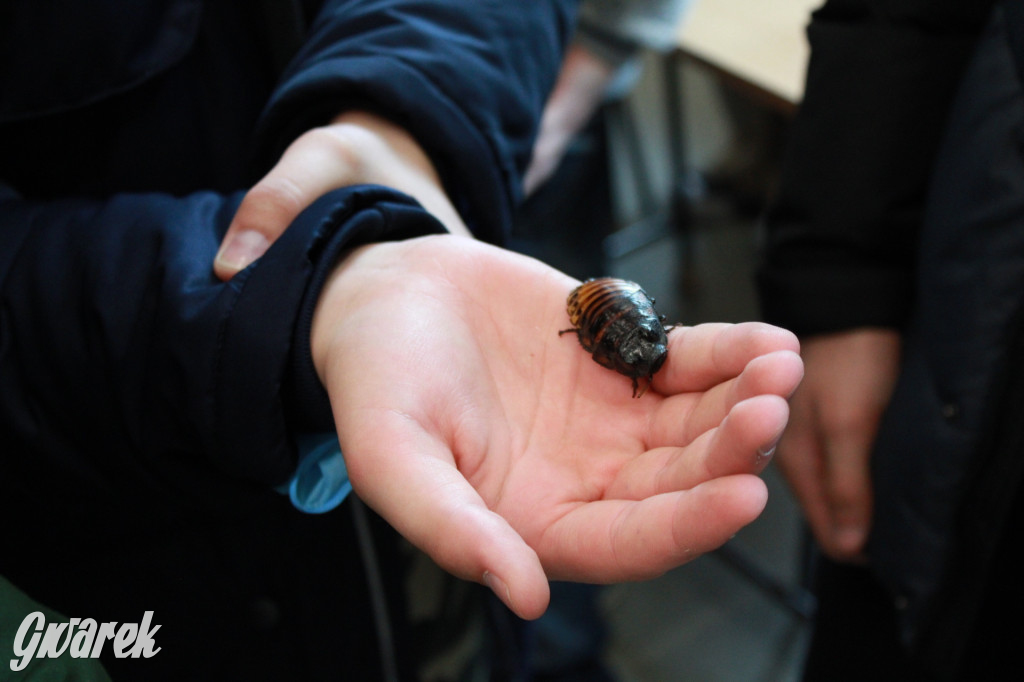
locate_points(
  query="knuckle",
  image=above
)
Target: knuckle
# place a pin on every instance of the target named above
(349, 146)
(271, 203)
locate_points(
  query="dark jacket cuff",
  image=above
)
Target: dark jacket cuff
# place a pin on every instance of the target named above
(284, 285)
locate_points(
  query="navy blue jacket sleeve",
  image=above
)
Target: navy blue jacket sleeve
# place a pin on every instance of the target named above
(468, 79)
(116, 340)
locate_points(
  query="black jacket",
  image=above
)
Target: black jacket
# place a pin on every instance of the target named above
(903, 206)
(147, 409)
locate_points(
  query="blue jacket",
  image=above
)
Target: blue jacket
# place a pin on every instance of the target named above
(146, 408)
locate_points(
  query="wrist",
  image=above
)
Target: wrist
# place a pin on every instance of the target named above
(382, 153)
(339, 297)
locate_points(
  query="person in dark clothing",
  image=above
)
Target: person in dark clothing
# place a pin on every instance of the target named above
(223, 233)
(895, 250)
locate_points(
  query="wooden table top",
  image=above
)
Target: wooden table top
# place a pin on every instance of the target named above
(760, 44)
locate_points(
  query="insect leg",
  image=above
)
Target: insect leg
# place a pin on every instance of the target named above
(643, 390)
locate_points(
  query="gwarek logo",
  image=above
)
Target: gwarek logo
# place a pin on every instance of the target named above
(81, 638)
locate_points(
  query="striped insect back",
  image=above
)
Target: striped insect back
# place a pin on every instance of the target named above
(615, 320)
(597, 303)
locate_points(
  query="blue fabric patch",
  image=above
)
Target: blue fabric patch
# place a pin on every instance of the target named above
(320, 482)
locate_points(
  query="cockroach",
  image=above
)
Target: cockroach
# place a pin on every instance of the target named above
(615, 321)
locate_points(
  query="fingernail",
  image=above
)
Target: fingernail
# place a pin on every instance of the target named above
(242, 250)
(768, 451)
(498, 587)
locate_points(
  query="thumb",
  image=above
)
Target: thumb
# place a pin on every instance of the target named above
(312, 166)
(355, 148)
(480, 545)
(415, 486)
(261, 218)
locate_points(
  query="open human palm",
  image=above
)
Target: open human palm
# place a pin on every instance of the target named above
(506, 453)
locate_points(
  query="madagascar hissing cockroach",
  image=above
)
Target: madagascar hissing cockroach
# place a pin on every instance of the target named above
(615, 321)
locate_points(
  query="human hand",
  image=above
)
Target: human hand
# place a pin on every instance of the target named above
(506, 453)
(825, 454)
(355, 148)
(582, 84)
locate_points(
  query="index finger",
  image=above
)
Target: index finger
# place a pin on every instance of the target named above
(706, 355)
(611, 541)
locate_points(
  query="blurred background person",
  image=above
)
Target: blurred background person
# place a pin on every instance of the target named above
(896, 251)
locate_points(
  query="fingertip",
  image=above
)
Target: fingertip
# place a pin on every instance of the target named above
(748, 497)
(748, 341)
(790, 369)
(849, 540)
(773, 337)
(765, 408)
(517, 578)
(842, 547)
(480, 545)
(778, 372)
(762, 421)
(714, 512)
(239, 250)
(529, 601)
(749, 500)
(791, 357)
(758, 496)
